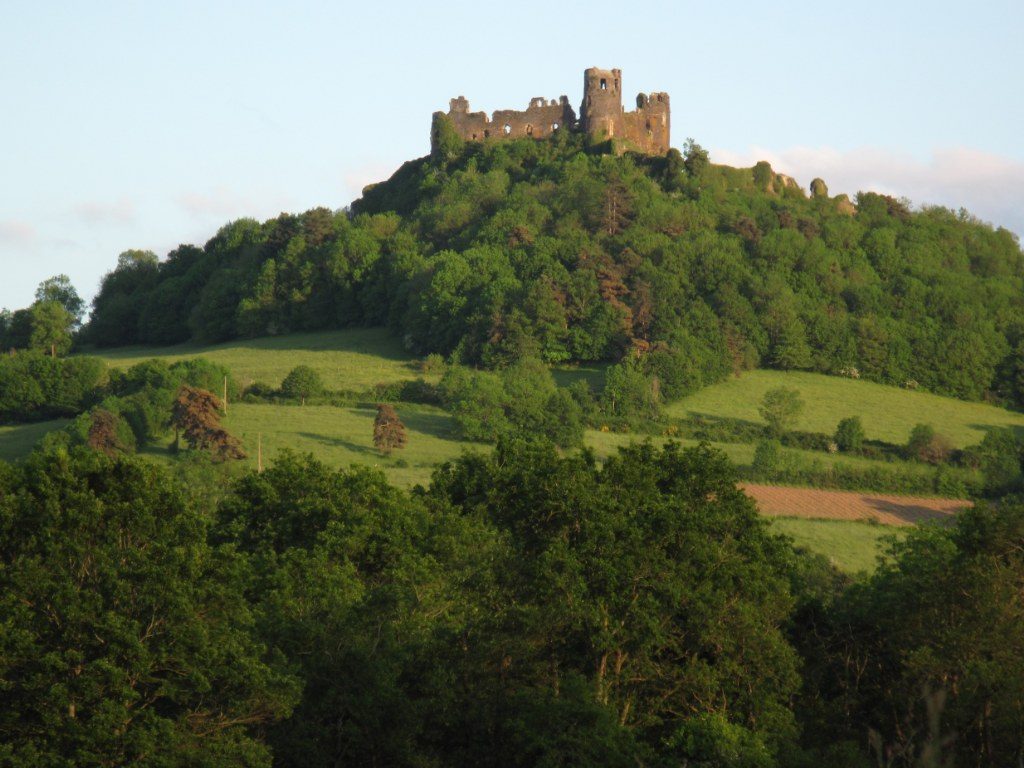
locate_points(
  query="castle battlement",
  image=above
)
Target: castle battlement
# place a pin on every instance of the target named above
(602, 116)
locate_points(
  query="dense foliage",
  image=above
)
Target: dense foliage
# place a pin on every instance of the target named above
(548, 249)
(525, 609)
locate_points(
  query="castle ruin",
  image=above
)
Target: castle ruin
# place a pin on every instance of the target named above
(602, 117)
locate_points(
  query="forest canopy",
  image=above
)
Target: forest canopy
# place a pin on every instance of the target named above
(557, 250)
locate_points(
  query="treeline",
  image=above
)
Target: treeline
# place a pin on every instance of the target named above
(494, 252)
(523, 610)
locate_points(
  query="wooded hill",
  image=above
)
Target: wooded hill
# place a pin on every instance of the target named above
(567, 252)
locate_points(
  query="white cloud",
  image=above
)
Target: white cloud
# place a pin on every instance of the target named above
(221, 203)
(989, 186)
(16, 232)
(99, 212)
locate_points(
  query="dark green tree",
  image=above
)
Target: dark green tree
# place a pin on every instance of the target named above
(127, 638)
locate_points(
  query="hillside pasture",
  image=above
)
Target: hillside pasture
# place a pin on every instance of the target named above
(343, 436)
(351, 359)
(888, 413)
(851, 547)
(18, 440)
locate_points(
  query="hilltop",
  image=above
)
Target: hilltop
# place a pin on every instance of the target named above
(557, 249)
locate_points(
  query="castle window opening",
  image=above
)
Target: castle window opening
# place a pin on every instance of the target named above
(604, 84)
(529, 130)
(507, 129)
(487, 134)
(554, 126)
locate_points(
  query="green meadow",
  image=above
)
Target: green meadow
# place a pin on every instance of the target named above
(351, 359)
(851, 547)
(357, 359)
(888, 413)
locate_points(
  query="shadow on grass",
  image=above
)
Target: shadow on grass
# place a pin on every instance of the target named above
(439, 425)
(337, 442)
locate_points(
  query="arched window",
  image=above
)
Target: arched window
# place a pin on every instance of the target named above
(554, 126)
(529, 130)
(507, 129)
(604, 84)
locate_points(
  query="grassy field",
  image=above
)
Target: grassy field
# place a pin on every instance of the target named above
(18, 440)
(353, 359)
(344, 436)
(851, 547)
(888, 413)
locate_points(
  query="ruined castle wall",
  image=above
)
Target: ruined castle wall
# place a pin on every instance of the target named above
(538, 121)
(602, 117)
(647, 129)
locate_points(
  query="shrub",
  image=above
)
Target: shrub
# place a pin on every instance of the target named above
(925, 444)
(780, 408)
(850, 434)
(767, 457)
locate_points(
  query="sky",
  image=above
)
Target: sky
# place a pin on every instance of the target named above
(144, 125)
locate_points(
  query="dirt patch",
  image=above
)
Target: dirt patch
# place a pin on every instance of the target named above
(780, 501)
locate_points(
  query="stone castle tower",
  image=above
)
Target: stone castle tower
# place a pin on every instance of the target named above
(602, 117)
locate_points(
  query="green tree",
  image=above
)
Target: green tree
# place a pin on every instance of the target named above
(60, 289)
(302, 382)
(780, 408)
(925, 444)
(849, 434)
(127, 638)
(51, 327)
(695, 159)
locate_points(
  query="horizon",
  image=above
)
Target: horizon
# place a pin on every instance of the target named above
(147, 128)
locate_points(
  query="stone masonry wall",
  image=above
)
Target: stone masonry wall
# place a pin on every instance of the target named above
(602, 116)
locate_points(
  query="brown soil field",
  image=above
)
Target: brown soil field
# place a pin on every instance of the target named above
(780, 501)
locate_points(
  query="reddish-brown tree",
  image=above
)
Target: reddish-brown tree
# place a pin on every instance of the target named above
(388, 430)
(102, 434)
(195, 416)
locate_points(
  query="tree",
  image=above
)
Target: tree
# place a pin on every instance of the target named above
(850, 434)
(127, 637)
(60, 289)
(51, 327)
(925, 444)
(780, 407)
(388, 430)
(695, 159)
(302, 382)
(106, 432)
(195, 414)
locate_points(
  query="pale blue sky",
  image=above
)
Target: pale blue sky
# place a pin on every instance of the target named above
(144, 125)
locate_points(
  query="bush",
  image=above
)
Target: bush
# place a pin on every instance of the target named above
(780, 408)
(302, 382)
(925, 444)
(767, 457)
(850, 434)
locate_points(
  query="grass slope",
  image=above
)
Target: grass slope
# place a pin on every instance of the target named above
(851, 547)
(352, 359)
(18, 440)
(888, 413)
(344, 436)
